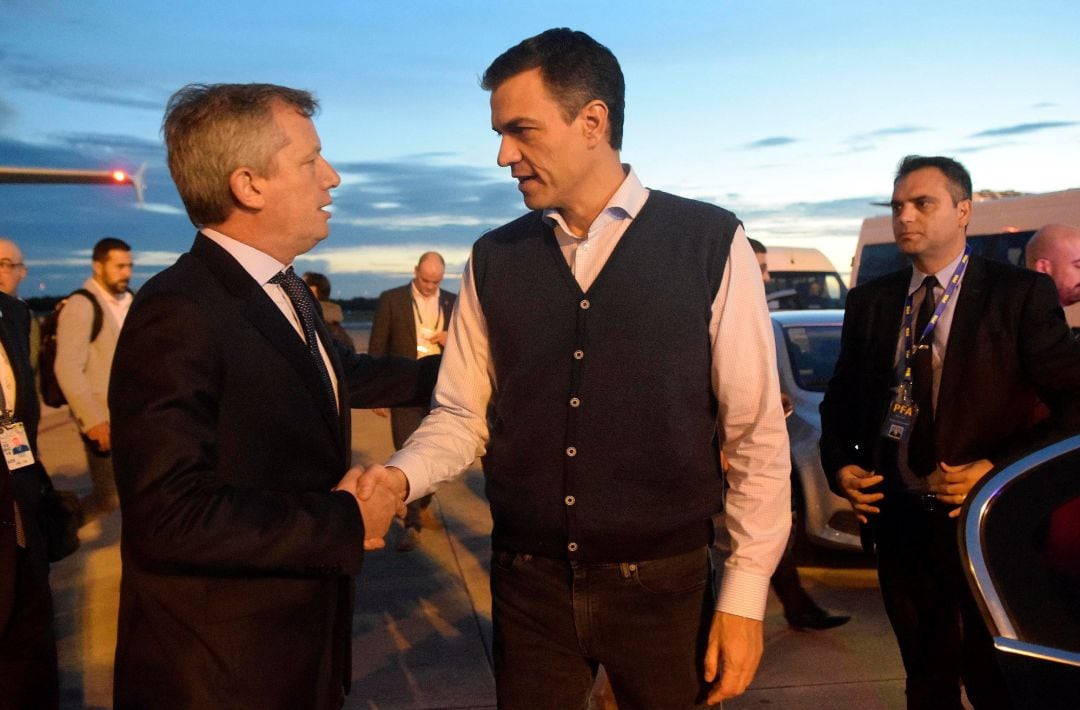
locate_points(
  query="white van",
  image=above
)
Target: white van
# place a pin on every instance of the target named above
(803, 279)
(999, 229)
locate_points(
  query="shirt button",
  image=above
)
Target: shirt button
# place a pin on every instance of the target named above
(575, 402)
(570, 500)
(584, 304)
(572, 547)
(571, 451)
(578, 354)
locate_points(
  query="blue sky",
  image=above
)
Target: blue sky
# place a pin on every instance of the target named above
(793, 114)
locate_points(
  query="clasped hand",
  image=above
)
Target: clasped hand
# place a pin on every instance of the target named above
(949, 483)
(380, 495)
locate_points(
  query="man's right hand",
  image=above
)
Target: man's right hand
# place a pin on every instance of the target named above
(854, 481)
(381, 491)
(100, 434)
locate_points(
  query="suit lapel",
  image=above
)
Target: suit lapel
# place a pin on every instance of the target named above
(962, 332)
(264, 314)
(405, 313)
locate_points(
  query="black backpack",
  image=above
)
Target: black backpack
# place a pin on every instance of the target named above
(51, 394)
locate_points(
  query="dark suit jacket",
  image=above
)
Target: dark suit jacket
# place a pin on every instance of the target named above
(26, 483)
(237, 557)
(393, 332)
(1008, 344)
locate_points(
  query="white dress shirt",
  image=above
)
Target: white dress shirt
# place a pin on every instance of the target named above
(744, 381)
(262, 267)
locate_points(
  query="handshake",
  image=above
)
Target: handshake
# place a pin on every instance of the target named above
(380, 493)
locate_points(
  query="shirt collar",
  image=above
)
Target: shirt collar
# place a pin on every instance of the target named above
(943, 275)
(624, 204)
(260, 266)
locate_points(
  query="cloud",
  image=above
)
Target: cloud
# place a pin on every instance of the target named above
(885, 132)
(89, 84)
(1044, 104)
(982, 148)
(770, 142)
(1022, 128)
(385, 259)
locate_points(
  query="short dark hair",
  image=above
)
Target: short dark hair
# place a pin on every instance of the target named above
(576, 69)
(106, 245)
(757, 246)
(212, 129)
(956, 174)
(320, 283)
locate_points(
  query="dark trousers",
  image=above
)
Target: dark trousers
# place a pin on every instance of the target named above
(29, 678)
(403, 422)
(939, 630)
(555, 622)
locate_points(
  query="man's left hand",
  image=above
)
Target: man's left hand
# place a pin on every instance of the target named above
(735, 643)
(952, 483)
(439, 338)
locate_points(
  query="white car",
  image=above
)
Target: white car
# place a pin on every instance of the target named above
(807, 346)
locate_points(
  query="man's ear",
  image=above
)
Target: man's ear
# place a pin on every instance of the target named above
(594, 118)
(1043, 266)
(964, 207)
(247, 188)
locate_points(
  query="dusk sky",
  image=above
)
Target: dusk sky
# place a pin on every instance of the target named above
(792, 114)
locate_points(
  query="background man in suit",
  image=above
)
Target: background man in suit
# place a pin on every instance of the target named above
(800, 609)
(620, 328)
(331, 312)
(28, 672)
(231, 424)
(84, 363)
(12, 272)
(1055, 251)
(411, 321)
(999, 341)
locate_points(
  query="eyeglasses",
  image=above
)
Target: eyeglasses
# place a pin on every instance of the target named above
(9, 265)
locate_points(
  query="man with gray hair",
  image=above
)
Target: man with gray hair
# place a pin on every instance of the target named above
(231, 424)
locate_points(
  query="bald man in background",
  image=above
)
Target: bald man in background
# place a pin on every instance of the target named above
(1055, 251)
(12, 273)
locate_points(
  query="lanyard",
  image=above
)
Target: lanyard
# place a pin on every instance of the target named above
(420, 316)
(909, 346)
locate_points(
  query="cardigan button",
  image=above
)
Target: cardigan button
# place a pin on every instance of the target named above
(575, 402)
(578, 354)
(585, 304)
(570, 500)
(571, 451)
(572, 547)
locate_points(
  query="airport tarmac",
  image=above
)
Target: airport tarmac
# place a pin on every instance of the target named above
(422, 626)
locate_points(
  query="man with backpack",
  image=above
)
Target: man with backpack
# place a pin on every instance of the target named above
(86, 334)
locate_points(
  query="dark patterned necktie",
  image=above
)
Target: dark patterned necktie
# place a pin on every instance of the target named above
(304, 303)
(922, 459)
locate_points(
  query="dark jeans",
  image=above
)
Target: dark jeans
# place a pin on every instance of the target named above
(555, 622)
(939, 630)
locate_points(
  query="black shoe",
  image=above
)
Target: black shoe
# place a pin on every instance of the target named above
(815, 619)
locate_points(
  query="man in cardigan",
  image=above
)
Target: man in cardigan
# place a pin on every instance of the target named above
(611, 330)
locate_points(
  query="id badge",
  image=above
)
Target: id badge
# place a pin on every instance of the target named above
(900, 416)
(16, 446)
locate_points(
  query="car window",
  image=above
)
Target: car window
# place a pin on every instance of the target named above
(811, 289)
(813, 351)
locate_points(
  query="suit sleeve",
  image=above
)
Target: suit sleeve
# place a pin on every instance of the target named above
(1050, 357)
(72, 353)
(379, 341)
(169, 440)
(839, 406)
